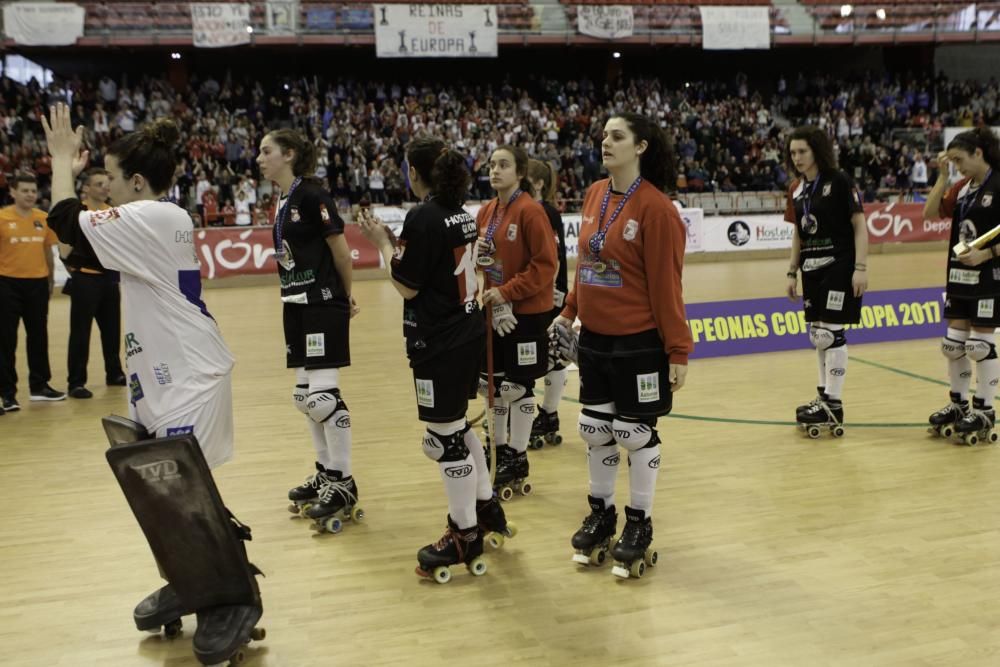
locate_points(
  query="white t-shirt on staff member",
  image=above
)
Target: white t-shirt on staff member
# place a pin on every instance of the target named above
(175, 355)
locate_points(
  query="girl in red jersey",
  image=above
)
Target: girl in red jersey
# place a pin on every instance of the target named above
(517, 252)
(634, 342)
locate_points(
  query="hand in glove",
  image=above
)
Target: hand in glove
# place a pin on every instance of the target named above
(503, 318)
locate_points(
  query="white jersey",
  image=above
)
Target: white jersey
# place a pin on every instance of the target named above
(174, 353)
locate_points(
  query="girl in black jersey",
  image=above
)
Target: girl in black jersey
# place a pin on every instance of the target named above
(830, 247)
(544, 181)
(433, 267)
(972, 294)
(314, 267)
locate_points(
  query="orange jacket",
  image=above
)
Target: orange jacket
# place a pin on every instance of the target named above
(640, 289)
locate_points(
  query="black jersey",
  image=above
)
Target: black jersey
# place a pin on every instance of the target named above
(973, 214)
(306, 269)
(435, 256)
(555, 219)
(823, 209)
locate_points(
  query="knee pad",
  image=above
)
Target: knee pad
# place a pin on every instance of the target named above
(511, 390)
(484, 385)
(635, 434)
(978, 349)
(824, 339)
(952, 349)
(595, 428)
(299, 397)
(327, 404)
(446, 448)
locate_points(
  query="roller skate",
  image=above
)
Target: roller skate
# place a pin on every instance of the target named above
(545, 429)
(512, 473)
(493, 522)
(224, 630)
(337, 503)
(455, 546)
(820, 397)
(632, 552)
(943, 421)
(977, 425)
(827, 413)
(304, 496)
(161, 609)
(593, 540)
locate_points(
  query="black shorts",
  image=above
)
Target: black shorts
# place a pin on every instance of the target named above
(316, 337)
(523, 354)
(630, 371)
(828, 296)
(445, 384)
(981, 312)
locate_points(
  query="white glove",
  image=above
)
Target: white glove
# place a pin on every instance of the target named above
(564, 342)
(503, 318)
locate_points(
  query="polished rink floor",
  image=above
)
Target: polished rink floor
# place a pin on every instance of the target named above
(882, 548)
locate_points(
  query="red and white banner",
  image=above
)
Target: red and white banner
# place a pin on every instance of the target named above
(903, 223)
(228, 252)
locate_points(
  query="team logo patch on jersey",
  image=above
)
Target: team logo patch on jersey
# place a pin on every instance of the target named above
(527, 354)
(987, 199)
(326, 293)
(963, 276)
(631, 229)
(648, 385)
(834, 300)
(512, 232)
(180, 430)
(985, 308)
(105, 216)
(162, 374)
(425, 393)
(315, 345)
(324, 213)
(135, 388)
(827, 189)
(967, 231)
(294, 214)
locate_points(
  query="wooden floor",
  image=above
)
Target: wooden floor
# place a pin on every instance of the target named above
(882, 548)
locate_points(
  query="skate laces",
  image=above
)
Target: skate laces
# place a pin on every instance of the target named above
(592, 522)
(632, 533)
(338, 487)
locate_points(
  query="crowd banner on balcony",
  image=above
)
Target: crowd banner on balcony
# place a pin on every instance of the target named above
(220, 24)
(435, 31)
(605, 21)
(282, 17)
(725, 28)
(43, 23)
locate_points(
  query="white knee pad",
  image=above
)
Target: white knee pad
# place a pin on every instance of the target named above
(978, 349)
(952, 349)
(299, 396)
(633, 435)
(513, 391)
(595, 428)
(446, 448)
(821, 337)
(327, 404)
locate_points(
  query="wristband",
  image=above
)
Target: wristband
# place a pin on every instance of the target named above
(792, 274)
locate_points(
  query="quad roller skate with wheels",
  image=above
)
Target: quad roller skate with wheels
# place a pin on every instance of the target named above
(978, 425)
(304, 496)
(337, 503)
(161, 610)
(943, 421)
(512, 473)
(455, 546)
(545, 429)
(820, 397)
(493, 523)
(826, 413)
(593, 540)
(632, 552)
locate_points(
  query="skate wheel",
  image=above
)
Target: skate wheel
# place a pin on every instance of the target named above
(304, 509)
(813, 432)
(526, 488)
(994, 436)
(597, 556)
(619, 571)
(506, 493)
(838, 431)
(511, 529)
(536, 443)
(947, 431)
(172, 629)
(333, 525)
(971, 439)
(637, 569)
(357, 514)
(651, 557)
(238, 658)
(257, 634)
(557, 440)
(442, 574)
(477, 567)
(550, 437)
(495, 540)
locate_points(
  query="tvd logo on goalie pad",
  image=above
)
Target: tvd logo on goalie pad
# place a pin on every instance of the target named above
(158, 471)
(457, 472)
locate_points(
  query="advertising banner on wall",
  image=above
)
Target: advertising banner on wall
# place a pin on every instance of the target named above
(435, 31)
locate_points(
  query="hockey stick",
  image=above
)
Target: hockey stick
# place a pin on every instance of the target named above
(490, 414)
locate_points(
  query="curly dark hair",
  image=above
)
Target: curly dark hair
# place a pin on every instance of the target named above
(820, 145)
(443, 169)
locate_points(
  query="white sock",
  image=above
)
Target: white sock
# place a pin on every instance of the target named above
(461, 491)
(499, 432)
(836, 369)
(315, 430)
(555, 384)
(336, 429)
(987, 371)
(644, 466)
(483, 489)
(602, 463)
(960, 370)
(522, 416)
(821, 363)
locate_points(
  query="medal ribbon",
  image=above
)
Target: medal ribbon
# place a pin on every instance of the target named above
(971, 197)
(596, 242)
(496, 218)
(808, 200)
(282, 218)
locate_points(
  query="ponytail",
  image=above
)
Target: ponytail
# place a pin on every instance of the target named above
(443, 169)
(544, 172)
(305, 150)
